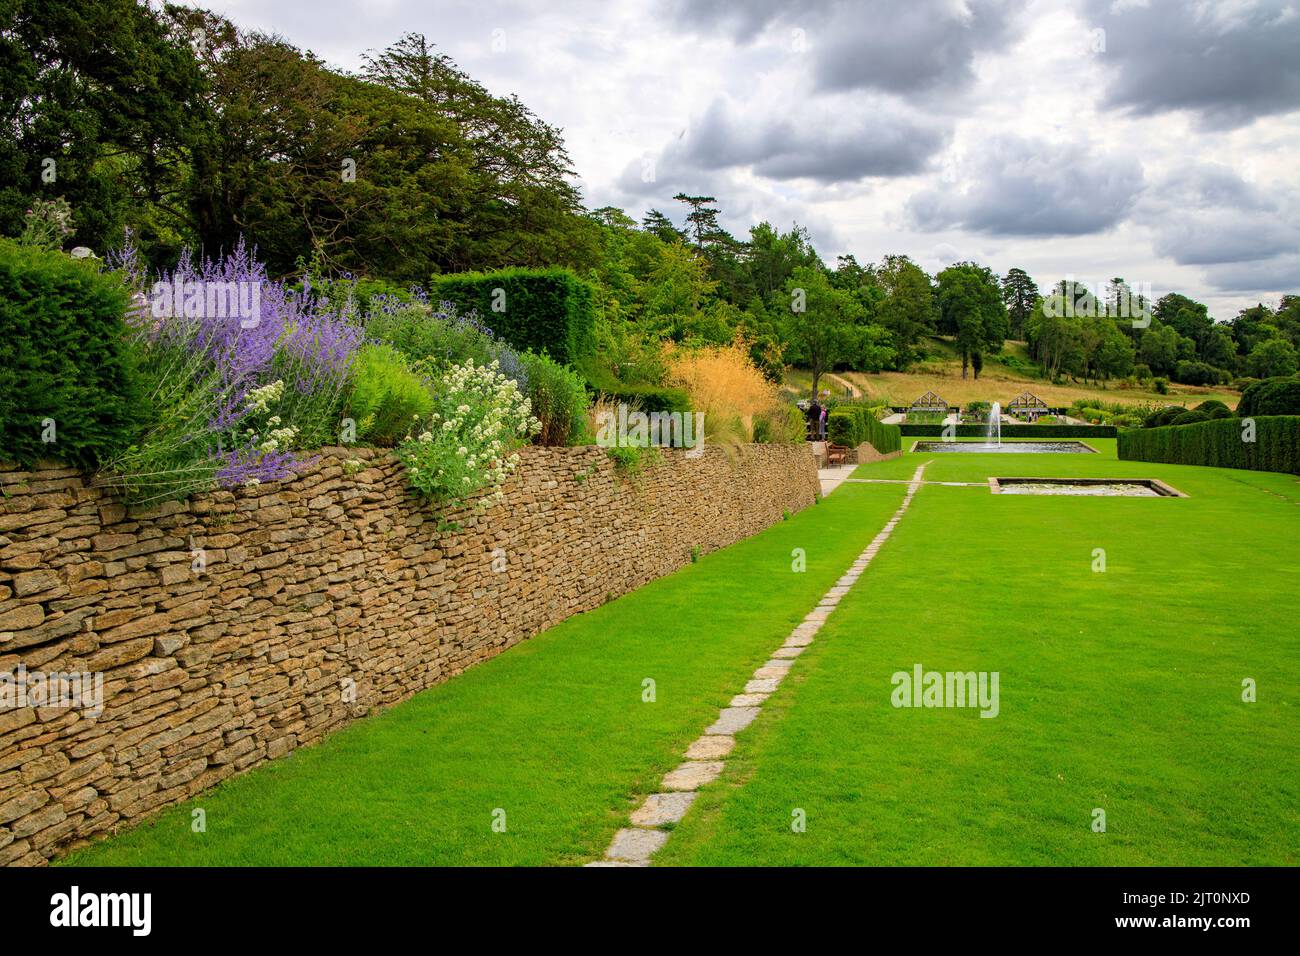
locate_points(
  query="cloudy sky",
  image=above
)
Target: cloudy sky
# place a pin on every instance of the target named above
(1158, 140)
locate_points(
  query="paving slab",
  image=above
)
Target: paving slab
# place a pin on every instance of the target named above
(694, 774)
(734, 719)
(661, 808)
(710, 747)
(636, 845)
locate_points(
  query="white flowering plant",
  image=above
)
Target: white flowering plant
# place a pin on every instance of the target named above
(467, 444)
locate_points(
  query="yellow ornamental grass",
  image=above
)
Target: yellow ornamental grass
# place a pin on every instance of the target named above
(725, 384)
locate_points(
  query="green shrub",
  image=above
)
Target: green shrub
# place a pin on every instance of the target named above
(1214, 408)
(783, 425)
(1199, 373)
(842, 429)
(387, 396)
(559, 401)
(852, 425)
(1190, 418)
(1161, 385)
(1097, 416)
(1159, 417)
(1271, 396)
(542, 310)
(435, 339)
(66, 372)
(1220, 443)
(631, 460)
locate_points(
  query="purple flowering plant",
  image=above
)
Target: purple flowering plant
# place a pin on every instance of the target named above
(243, 372)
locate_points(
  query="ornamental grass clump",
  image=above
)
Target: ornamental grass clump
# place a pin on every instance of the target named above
(466, 446)
(726, 386)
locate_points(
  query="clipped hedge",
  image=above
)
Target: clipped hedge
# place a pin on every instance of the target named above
(851, 426)
(63, 360)
(1272, 396)
(1219, 443)
(548, 311)
(1014, 431)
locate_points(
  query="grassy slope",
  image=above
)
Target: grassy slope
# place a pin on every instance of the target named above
(997, 382)
(1119, 690)
(554, 731)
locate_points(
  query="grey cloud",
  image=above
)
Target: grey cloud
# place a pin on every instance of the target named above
(828, 145)
(908, 46)
(1223, 236)
(1280, 274)
(1206, 185)
(819, 142)
(1244, 236)
(893, 46)
(1021, 187)
(1228, 63)
(743, 20)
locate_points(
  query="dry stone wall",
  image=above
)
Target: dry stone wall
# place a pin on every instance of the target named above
(229, 629)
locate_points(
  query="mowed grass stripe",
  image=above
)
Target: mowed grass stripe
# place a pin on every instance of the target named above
(554, 732)
(1119, 690)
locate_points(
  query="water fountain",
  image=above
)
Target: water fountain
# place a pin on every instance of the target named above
(994, 437)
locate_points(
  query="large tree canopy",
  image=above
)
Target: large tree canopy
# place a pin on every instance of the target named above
(971, 310)
(102, 106)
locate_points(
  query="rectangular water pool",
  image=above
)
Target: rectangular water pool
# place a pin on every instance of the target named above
(1087, 487)
(1006, 448)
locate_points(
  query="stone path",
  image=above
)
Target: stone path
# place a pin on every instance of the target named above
(636, 843)
(831, 478)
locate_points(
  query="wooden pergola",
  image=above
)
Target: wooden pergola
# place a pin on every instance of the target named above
(1026, 403)
(929, 402)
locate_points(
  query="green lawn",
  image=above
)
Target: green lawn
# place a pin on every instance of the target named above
(1118, 690)
(554, 731)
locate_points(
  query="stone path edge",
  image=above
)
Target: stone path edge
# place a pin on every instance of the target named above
(645, 834)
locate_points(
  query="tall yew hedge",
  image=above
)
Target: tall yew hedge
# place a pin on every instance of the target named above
(1220, 443)
(543, 310)
(64, 364)
(851, 426)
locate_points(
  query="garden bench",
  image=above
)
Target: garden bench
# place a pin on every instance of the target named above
(836, 454)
